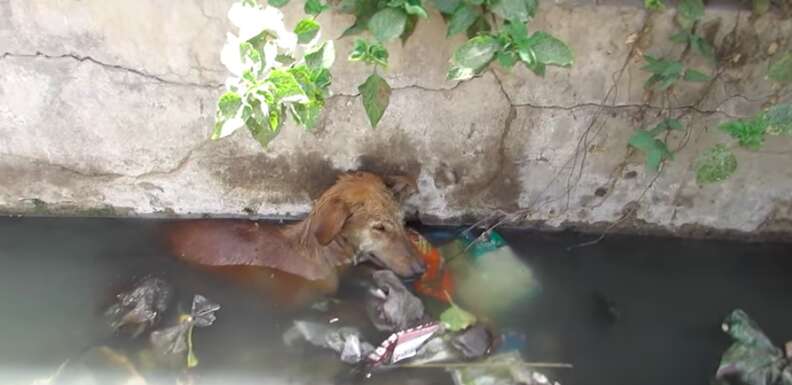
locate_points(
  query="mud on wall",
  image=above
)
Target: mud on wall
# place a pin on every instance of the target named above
(106, 107)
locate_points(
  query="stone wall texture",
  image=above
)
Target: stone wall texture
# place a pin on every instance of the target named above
(106, 108)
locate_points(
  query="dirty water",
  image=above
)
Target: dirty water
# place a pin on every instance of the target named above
(629, 310)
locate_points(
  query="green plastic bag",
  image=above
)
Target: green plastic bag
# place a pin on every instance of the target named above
(752, 359)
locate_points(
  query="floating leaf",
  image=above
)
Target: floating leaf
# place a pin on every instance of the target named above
(781, 70)
(715, 165)
(306, 30)
(375, 93)
(387, 24)
(455, 318)
(462, 19)
(514, 10)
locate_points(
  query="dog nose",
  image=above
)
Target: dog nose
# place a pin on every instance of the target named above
(418, 268)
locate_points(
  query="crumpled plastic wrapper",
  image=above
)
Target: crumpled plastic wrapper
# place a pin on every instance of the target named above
(177, 339)
(344, 340)
(140, 307)
(752, 359)
(391, 306)
(505, 369)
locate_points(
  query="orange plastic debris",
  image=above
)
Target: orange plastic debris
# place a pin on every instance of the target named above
(437, 281)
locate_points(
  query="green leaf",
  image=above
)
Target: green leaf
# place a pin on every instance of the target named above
(378, 54)
(456, 72)
(462, 19)
(227, 119)
(654, 5)
(455, 318)
(414, 7)
(749, 133)
(375, 93)
(277, 3)
(447, 7)
(285, 87)
(322, 57)
(514, 10)
(692, 75)
(479, 27)
(359, 50)
(549, 50)
(409, 28)
(688, 12)
(314, 7)
(680, 37)
(703, 47)
(306, 30)
(252, 59)
(476, 52)
(307, 115)
(656, 150)
(506, 59)
(760, 7)
(781, 70)
(387, 24)
(666, 124)
(264, 134)
(715, 165)
(779, 119)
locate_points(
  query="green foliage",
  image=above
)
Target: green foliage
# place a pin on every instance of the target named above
(749, 133)
(760, 7)
(655, 150)
(666, 72)
(715, 165)
(387, 24)
(697, 43)
(689, 12)
(274, 3)
(779, 120)
(314, 7)
(462, 19)
(375, 92)
(654, 5)
(268, 81)
(369, 53)
(516, 11)
(781, 70)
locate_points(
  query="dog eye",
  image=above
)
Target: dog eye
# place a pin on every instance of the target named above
(378, 227)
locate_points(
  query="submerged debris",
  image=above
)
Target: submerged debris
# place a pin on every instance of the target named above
(475, 342)
(501, 369)
(96, 366)
(402, 345)
(437, 282)
(390, 305)
(752, 359)
(176, 340)
(344, 340)
(140, 307)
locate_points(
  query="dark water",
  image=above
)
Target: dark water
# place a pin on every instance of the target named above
(629, 310)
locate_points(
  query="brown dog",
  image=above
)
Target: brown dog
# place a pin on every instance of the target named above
(357, 219)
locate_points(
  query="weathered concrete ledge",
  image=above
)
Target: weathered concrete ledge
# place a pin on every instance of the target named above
(106, 107)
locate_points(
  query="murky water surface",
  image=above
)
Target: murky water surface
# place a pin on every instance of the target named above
(628, 310)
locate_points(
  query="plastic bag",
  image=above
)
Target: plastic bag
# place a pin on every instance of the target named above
(344, 340)
(502, 369)
(437, 282)
(390, 306)
(140, 307)
(752, 359)
(176, 340)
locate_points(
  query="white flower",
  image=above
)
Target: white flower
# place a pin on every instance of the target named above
(252, 20)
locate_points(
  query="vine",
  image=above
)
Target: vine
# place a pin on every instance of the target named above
(277, 72)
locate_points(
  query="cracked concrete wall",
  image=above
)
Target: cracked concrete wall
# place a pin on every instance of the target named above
(105, 109)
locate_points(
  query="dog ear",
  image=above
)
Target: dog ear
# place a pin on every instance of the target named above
(402, 186)
(329, 219)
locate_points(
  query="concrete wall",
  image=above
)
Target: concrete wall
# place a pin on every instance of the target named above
(106, 107)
